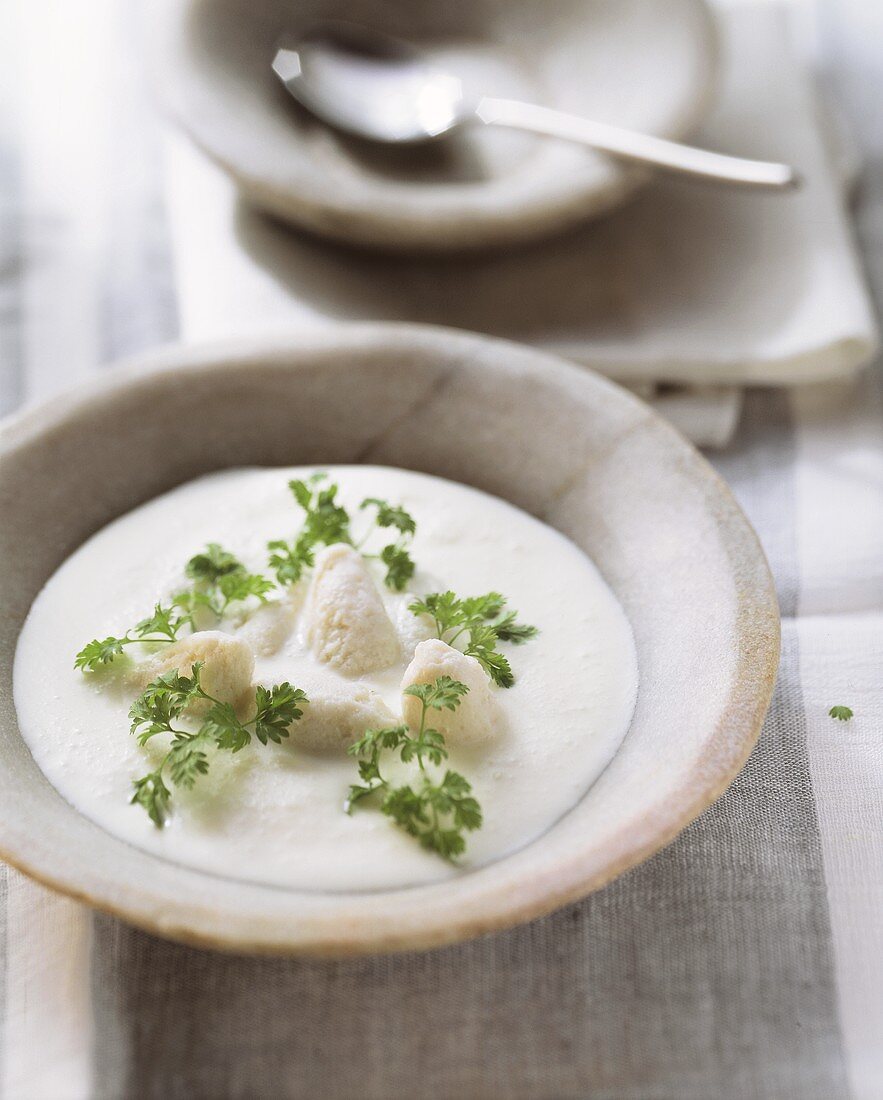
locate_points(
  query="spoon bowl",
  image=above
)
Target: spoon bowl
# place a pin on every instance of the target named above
(371, 85)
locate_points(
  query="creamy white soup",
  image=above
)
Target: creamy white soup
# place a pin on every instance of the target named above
(345, 634)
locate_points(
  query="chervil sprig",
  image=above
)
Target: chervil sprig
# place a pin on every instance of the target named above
(436, 813)
(480, 623)
(399, 566)
(168, 698)
(508, 630)
(326, 522)
(841, 713)
(367, 750)
(290, 560)
(214, 562)
(395, 555)
(219, 580)
(163, 625)
(444, 693)
(390, 515)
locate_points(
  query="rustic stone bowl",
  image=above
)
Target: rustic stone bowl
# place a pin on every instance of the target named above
(562, 443)
(647, 64)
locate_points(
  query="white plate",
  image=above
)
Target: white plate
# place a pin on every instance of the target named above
(647, 64)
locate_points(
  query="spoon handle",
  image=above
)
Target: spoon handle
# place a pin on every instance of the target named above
(633, 146)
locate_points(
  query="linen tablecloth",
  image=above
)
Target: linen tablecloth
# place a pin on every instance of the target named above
(744, 961)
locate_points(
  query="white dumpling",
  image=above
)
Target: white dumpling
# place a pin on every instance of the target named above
(228, 664)
(477, 718)
(339, 716)
(347, 624)
(412, 629)
(269, 626)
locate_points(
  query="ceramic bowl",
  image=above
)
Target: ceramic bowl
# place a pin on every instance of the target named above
(556, 440)
(647, 64)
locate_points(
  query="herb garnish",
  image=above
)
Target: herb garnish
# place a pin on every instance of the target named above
(219, 580)
(395, 556)
(327, 522)
(167, 698)
(842, 714)
(480, 621)
(162, 626)
(436, 813)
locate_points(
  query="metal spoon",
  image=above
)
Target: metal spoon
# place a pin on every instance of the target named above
(382, 89)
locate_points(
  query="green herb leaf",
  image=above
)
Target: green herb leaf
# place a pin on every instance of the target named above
(99, 652)
(842, 714)
(482, 645)
(455, 796)
(435, 813)
(391, 515)
(303, 494)
(406, 808)
(442, 693)
(368, 749)
(445, 610)
(508, 630)
(167, 699)
(428, 743)
(151, 793)
(221, 726)
(241, 585)
(162, 626)
(219, 580)
(165, 621)
(356, 794)
(276, 709)
(482, 607)
(187, 760)
(212, 564)
(161, 702)
(289, 561)
(449, 843)
(399, 566)
(326, 522)
(480, 623)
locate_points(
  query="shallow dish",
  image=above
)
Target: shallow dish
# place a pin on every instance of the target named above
(647, 64)
(564, 444)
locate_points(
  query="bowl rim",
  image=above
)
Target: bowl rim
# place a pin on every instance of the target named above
(710, 774)
(458, 225)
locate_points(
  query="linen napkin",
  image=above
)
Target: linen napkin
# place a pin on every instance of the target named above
(686, 293)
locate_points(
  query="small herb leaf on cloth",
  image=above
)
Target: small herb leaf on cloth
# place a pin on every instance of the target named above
(841, 713)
